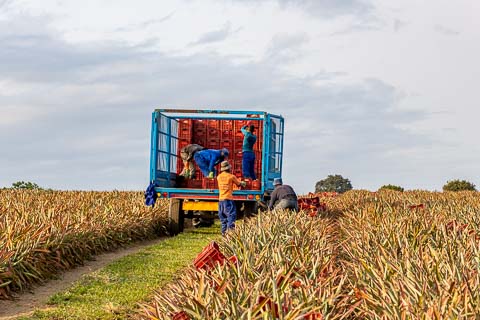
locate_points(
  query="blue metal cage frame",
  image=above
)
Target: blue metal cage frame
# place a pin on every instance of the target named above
(164, 141)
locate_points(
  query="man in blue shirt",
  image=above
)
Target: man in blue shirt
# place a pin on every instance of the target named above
(248, 156)
(207, 159)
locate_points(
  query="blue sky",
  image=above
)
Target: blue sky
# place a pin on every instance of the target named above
(377, 91)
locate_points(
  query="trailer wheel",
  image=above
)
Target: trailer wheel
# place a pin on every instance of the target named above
(250, 209)
(175, 217)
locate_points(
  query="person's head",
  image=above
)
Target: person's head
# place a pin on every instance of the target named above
(224, 152)
(277, 182)
(225, 166)
(250, 127)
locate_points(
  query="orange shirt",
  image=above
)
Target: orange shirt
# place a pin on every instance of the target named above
(225, 185)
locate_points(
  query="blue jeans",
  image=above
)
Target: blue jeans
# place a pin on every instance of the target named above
(202, 163)
(248, 165)
(227, 214)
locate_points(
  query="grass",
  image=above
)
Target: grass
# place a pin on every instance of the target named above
(115, 291)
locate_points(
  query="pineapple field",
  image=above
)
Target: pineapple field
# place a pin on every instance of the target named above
(45, 232)
(364, 255)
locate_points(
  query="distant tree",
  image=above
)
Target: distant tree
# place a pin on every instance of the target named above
(25, 185)
(391, 187)
(333, 183)
(459, 185)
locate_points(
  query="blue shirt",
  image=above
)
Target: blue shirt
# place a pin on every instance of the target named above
(213, 157)
(249, 140)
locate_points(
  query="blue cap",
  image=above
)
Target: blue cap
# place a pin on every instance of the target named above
(277, 181)
(225, 152)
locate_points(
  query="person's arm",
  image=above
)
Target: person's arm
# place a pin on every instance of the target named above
(273, 199)
(238, 182)
(244, 131)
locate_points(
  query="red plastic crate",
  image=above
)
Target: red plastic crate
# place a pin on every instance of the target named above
(200, 125)
(213, 124)
(226, 143)
(226, 133)
(213, 133)
(213, 143)
(182, 315)
(268, 305)
(313, 316)
(199, 140)
(256, 184)
(194, 184)
(226, 125)
(209, 256)
(209, 183)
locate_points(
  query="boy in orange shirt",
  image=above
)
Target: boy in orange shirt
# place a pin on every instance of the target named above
(226, 206)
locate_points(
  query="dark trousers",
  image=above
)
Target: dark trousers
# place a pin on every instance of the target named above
(202, 163)
(248, 165)
(227, 214)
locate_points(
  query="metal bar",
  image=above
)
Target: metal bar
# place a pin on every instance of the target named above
(209, 111)
(153, 147)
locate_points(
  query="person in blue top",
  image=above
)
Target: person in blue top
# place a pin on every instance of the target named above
(207, 159)
(248, 156)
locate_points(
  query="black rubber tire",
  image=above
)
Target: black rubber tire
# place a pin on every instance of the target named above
(176, 217)
(250, 209)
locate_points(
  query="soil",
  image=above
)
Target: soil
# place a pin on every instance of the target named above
(37, 297)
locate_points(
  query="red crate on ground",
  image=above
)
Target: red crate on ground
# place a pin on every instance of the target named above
(182, 315)
(209, 256)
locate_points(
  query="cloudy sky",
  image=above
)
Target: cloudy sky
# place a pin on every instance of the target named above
(377, 91)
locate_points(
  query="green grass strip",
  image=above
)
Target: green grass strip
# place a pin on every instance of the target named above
(115, 291)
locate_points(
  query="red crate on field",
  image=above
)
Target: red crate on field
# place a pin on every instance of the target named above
(182, 315)
(209, 256)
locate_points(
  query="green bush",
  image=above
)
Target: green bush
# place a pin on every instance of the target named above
(333, 183)
(26, 185)
(391, 187)
(459, 185)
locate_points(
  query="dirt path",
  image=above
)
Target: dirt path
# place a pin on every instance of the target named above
(38, 296)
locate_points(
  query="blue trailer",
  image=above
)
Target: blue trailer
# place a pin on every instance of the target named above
(175, 128)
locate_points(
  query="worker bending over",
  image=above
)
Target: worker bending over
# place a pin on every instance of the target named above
(283, 197)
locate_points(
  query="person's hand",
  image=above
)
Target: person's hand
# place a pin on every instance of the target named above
(210, 175)
(243, 183)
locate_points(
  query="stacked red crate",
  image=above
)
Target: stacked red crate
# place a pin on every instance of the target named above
(200, 132)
